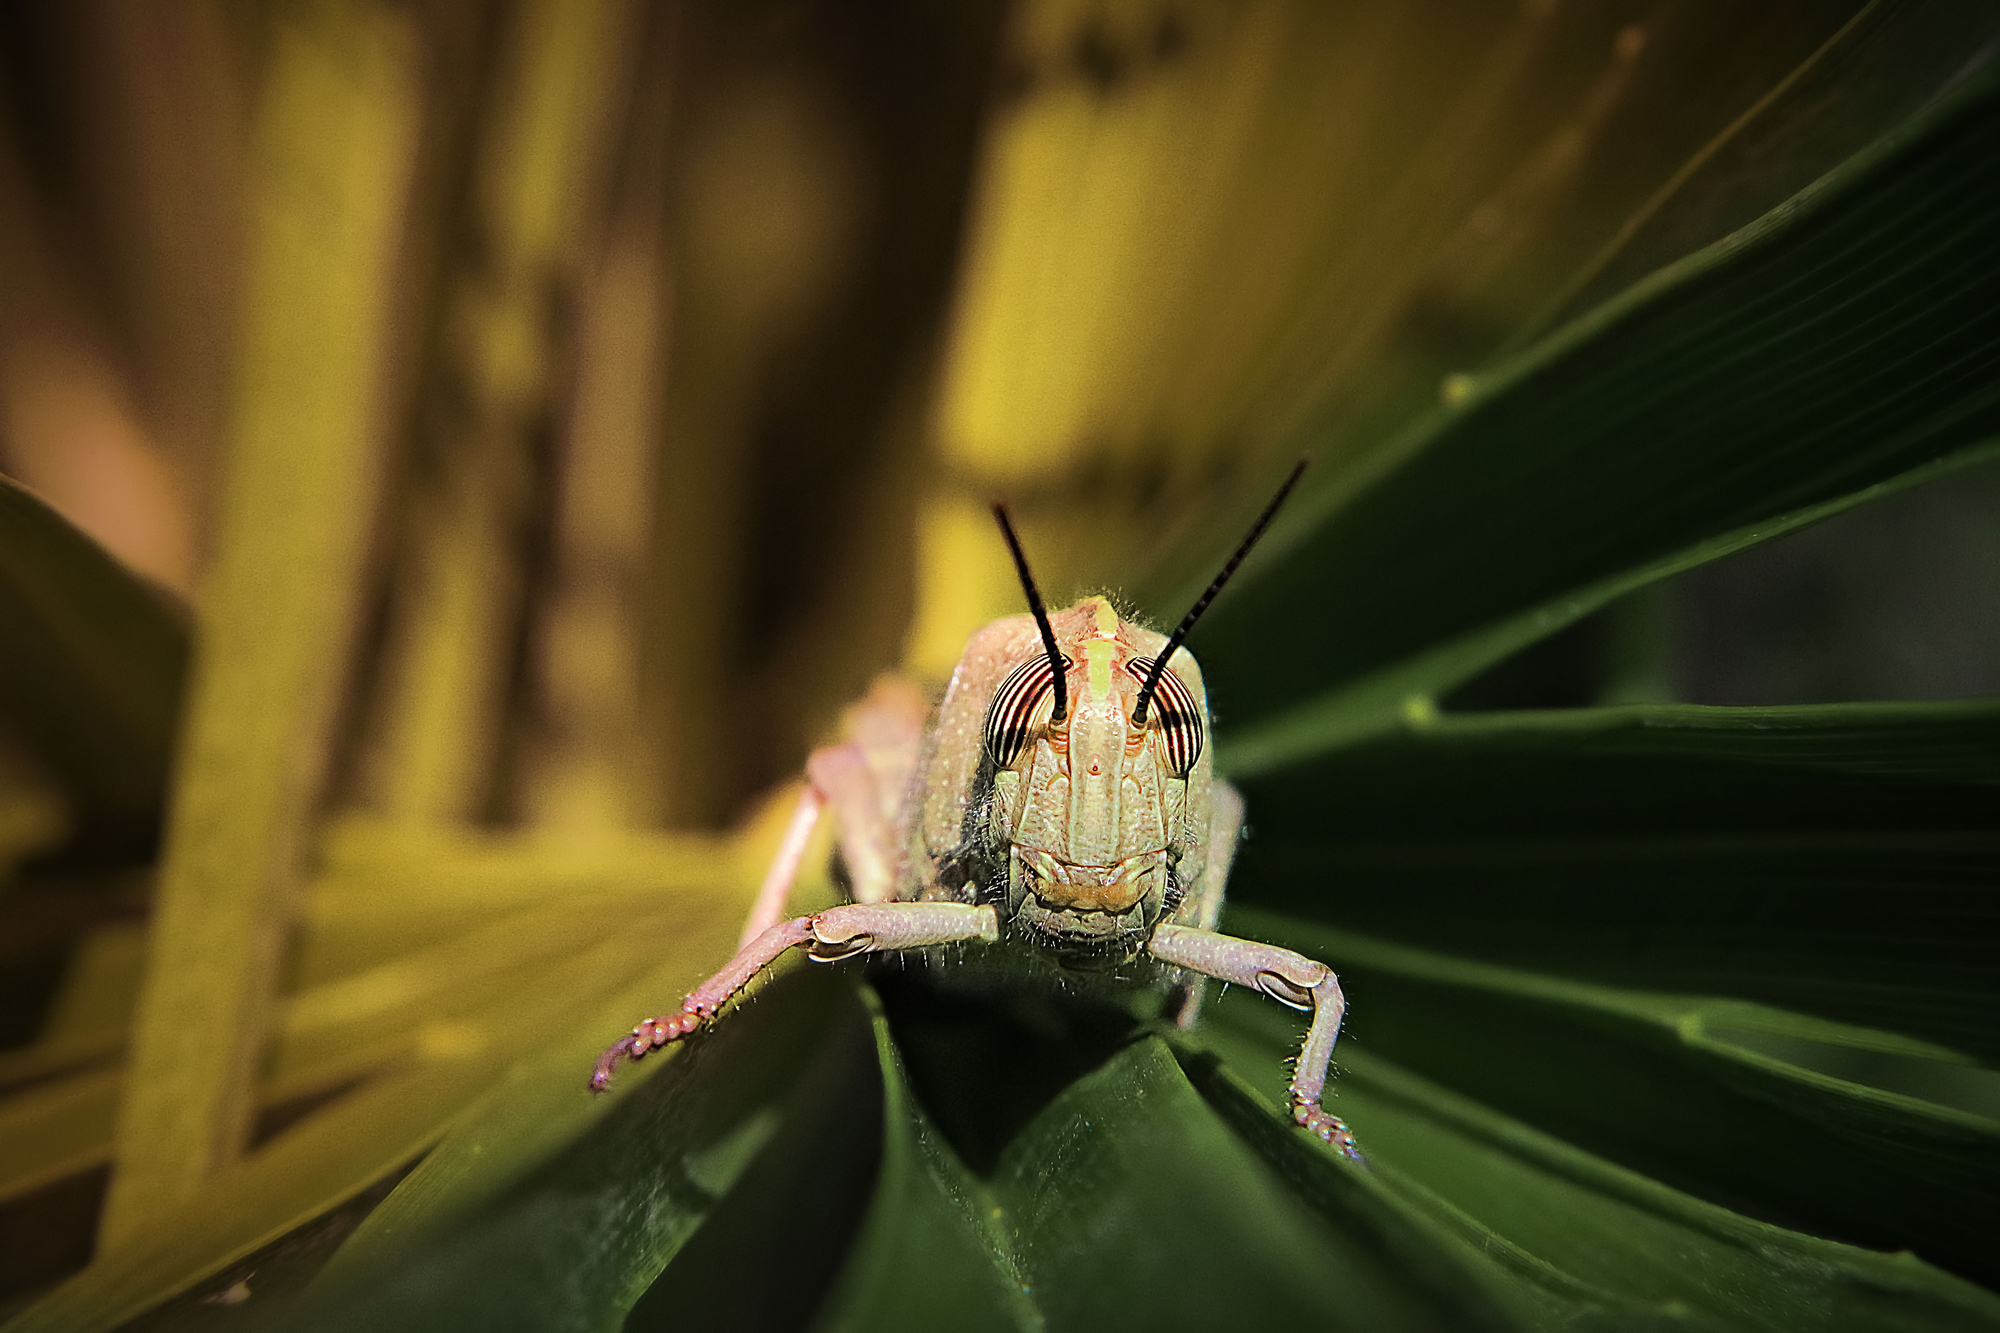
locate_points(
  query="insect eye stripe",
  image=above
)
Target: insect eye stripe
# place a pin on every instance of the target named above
(1178, 714)
(1022, 700)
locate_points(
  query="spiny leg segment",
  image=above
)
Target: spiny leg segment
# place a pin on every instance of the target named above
(1290, 979)
(829, 937)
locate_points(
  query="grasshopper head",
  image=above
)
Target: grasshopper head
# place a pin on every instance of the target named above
(1101, 781)
(1093, 806)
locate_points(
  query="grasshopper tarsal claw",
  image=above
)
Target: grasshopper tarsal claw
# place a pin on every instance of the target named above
(1328, 1129)
(645, 1036)
(1065, 788)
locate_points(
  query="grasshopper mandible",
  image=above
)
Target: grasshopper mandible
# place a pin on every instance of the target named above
(1063, 805)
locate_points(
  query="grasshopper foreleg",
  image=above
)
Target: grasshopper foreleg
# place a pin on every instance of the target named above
(1289, 978)
(833, 935)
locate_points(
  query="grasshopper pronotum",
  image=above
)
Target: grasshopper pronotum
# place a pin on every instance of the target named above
(1062, 804)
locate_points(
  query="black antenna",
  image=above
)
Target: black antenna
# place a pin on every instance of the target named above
(1194, 612)
(1041, 615)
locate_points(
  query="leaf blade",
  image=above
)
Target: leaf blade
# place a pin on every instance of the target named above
(1664, 1097)
(1774, 374)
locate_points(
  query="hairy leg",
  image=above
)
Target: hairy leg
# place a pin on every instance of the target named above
(842, 932)
(1290, 979)
(1203, 907)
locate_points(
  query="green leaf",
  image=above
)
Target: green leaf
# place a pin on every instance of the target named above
(1567, 1239)
(91, 676)
(520, 1078)
(552, 1209)
(1906, 767)
(1849, 338)
(928, 1214)
(459, 992)
(1727, 851)
(1666, 1097)
(1071, 1148)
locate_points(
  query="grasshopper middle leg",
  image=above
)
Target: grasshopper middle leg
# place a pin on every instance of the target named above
(859, 780)
(841, 932)
(1289, 978)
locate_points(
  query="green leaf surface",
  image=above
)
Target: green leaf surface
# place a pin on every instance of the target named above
(1835, 859)
(1044, 1164)
(1040, 1205)
(92, 673)
(1675, 1092)
(478, 1064)
(1070, 1147)
(1648, 769)
(928, 1214)
(460, 995)
(1847, 338)
(554, 1210)
(1569, 1239)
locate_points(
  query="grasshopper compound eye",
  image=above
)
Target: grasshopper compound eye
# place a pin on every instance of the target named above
(1176, 714)
(1024, 701)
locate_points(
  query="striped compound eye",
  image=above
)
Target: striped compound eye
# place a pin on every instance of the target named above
(1025, 700)
(1178, 715)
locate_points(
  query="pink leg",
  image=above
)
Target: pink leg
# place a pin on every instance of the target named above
(840, 776)
(769, 909)
(842, 932)
(1289, 978)
(844, 779)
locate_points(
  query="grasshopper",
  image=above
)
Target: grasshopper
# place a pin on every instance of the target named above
(1063, 805)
